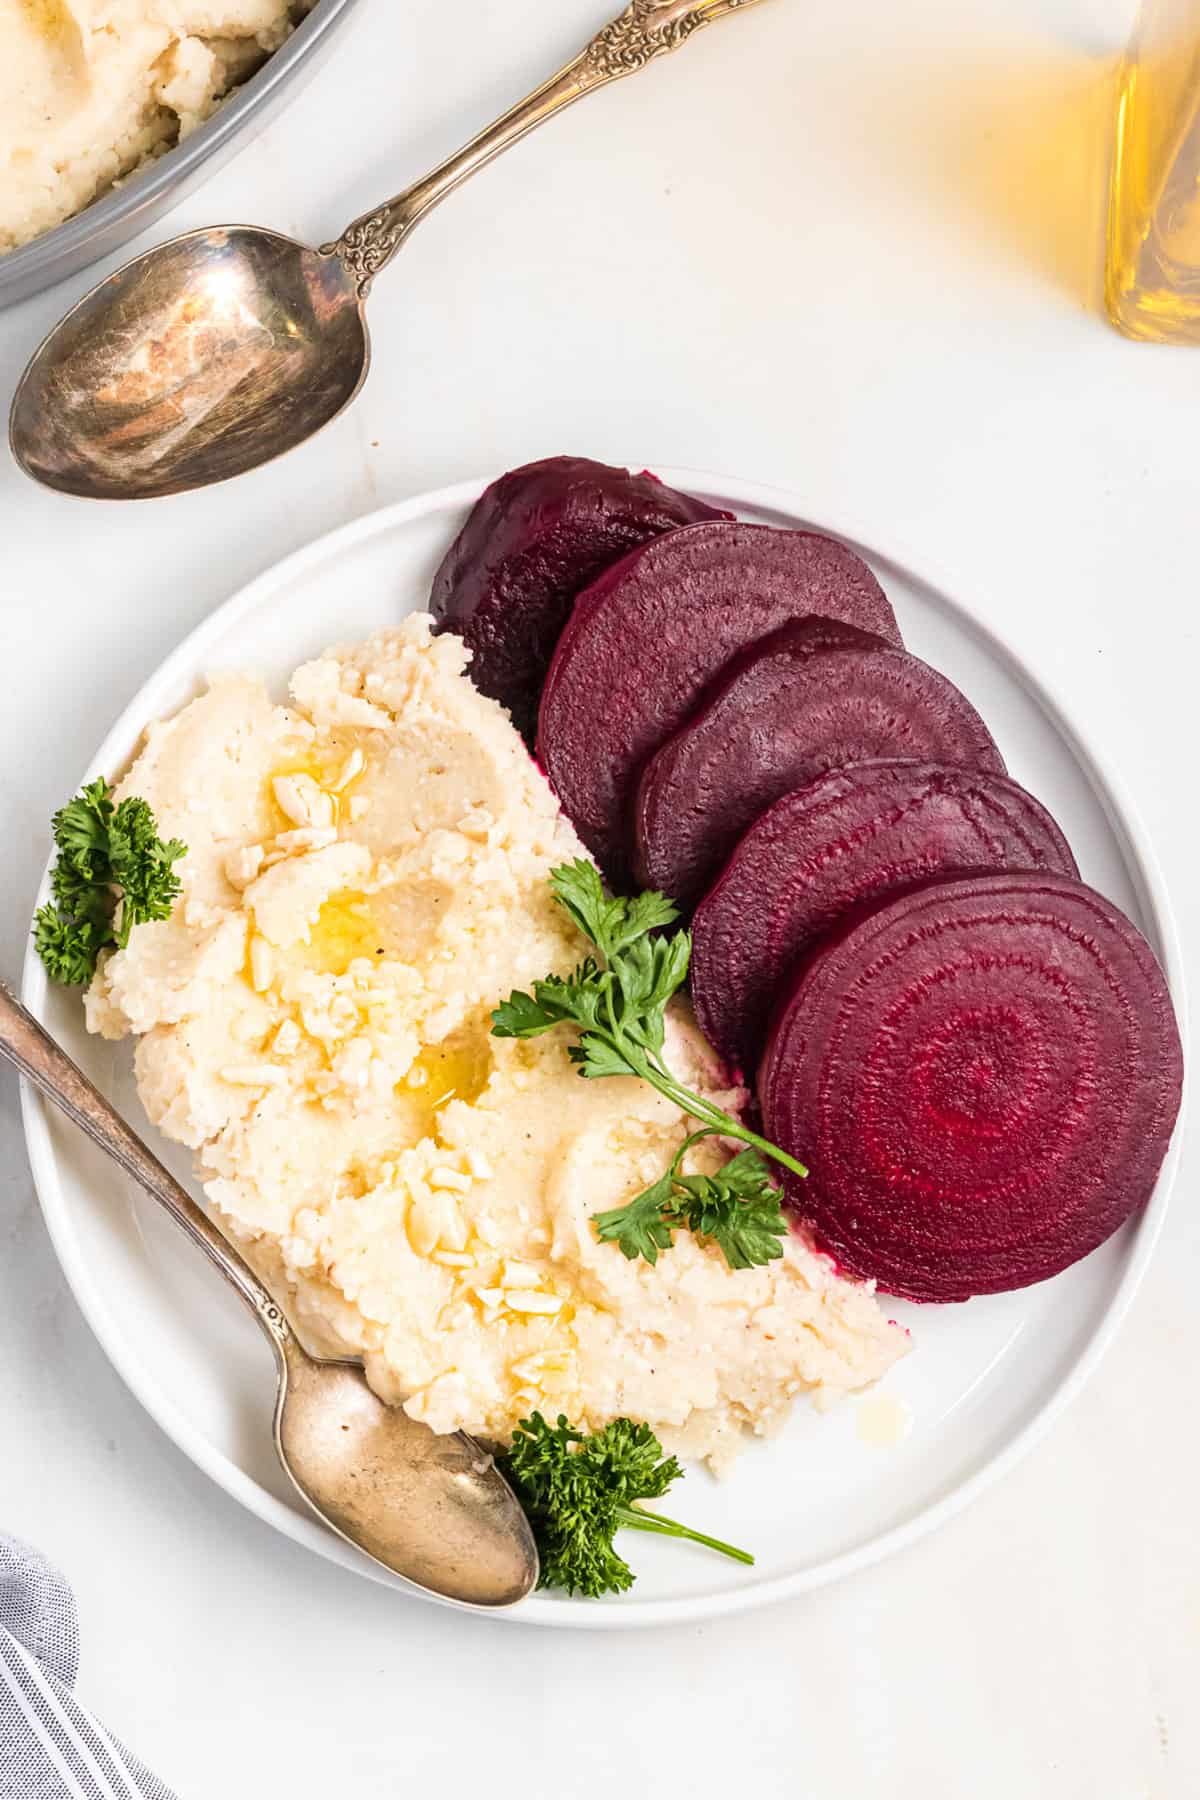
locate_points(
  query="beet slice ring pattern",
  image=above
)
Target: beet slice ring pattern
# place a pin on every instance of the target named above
(646, 638)
(855, 837)
(777, 717)
(982, 1077)
(532, 541)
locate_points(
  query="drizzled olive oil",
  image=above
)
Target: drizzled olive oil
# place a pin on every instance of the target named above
(346, 928)
(1152, 286)
(456, 1070)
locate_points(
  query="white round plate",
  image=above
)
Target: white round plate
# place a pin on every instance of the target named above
(816, 1502)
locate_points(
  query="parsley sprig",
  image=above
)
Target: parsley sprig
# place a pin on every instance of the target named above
(113, 872)
(578, 1491)
(617, 1001)
(737, 1209)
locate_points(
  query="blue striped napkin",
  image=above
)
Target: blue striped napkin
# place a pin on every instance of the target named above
(51, 1748)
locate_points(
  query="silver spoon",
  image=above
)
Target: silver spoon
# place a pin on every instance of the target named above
(221, 349)
(433, 1509)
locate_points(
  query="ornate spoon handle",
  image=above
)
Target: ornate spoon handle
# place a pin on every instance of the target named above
(35, 1054)
(646, 29)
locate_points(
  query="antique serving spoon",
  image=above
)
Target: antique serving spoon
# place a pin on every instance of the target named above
(223, 348)
(433, 1509)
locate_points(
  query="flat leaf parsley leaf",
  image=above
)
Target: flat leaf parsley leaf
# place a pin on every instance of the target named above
(579, 1491)
(737, 1208)
(113, 872)
(617, 1002)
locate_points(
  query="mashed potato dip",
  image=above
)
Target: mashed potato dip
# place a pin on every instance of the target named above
(366, 879)
(91, 88)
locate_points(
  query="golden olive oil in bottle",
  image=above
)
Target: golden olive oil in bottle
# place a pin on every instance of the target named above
(1152, 285)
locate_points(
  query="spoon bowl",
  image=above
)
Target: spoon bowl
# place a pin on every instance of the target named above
(222, 349)
(378, 1477)
(203, 358)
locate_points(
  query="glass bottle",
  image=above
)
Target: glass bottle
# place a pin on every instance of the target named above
(1152, 283)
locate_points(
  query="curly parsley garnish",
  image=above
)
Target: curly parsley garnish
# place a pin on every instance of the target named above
(113, 872)
(617, 1002)
(579, 1491)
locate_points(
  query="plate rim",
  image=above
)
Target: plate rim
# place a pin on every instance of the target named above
(1142, 867)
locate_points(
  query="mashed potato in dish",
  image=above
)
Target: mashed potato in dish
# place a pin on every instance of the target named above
(366, 879)
(91, 88)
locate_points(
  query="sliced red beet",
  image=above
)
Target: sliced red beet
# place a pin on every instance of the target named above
(778, 716)
(647, 637)
(532, 541)
(853, 838)
(982, 1077)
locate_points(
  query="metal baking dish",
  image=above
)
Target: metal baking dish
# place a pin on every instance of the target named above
(144, 197)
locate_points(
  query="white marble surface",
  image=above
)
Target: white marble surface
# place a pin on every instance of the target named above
(848, 250)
